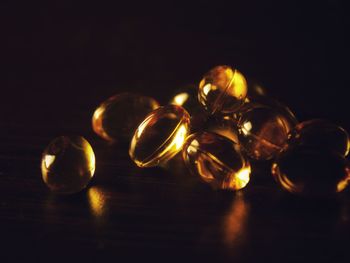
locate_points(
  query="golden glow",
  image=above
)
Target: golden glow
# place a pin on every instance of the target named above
(180, 137)
(180, 99)
(97, 124)
(207, 88)
(238, 180)
(71, 172)
(222, 89)
(91, 159)
(143, 125)
(193, 147)
(49, 159)
(235, 221)
(97, 201)
(242, 177)
(170, 146)
(344, 183)
(347, 148)
(238, 86)
(247, 126)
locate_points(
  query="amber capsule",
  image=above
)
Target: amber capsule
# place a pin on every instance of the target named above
(216, 160)
(68, 164)
(160, 136)
(263, 130)
(321, 135)
(310, 173)
(223, 89)
(117, 118)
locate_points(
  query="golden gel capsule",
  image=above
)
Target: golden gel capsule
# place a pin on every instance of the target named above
(117, 118)
(68, 164)
(263, 131)
(160, 136)
(310, 173)
(321, 135)
(216, 160)
(223, 89)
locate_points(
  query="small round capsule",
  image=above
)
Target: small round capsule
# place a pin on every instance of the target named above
(321, 135)
(117, 118)
(67, 164)
(263, 130)
(309, 173)
(160, 136)
(223, 89)
(216, 160)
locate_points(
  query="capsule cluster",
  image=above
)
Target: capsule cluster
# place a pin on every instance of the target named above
(220, 126)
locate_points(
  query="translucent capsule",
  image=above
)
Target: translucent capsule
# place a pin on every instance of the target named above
(310, 173)
(216, 160)
(263, 130)
(117, 118)
(67, 164)
(222, 89)
(160, 136)
(321, 135)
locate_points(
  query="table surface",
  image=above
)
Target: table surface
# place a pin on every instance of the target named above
(63, 59)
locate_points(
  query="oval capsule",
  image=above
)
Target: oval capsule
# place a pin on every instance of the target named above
(216, 160)
(160, 136)
(321, 135)
(263, 131)
(117, 118)
(310, 173)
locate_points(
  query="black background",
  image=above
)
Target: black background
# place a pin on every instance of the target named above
(61, 59)
(66, 55)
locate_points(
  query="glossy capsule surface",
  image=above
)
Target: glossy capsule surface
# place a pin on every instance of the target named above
(117, 118)
(68, 164)
(223, 89)
(310, 173)
(321, 135)
(263, 130)
(216, 160)
(160, 136)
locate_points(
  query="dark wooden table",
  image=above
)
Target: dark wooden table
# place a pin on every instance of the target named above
(61, 60)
